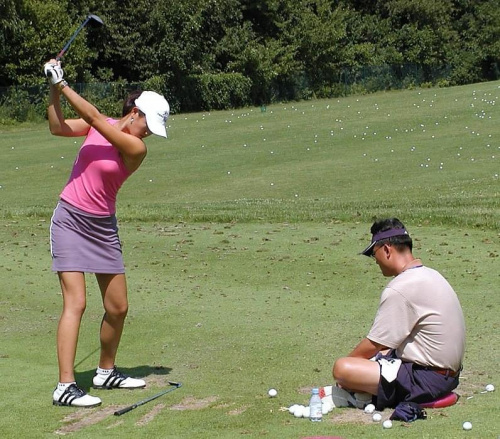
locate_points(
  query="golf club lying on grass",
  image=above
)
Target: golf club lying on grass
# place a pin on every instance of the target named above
(144, 401)
(90, 19)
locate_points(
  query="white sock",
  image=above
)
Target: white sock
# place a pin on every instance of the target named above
(325, 391)
(325, 394)
(100, 371)
(62, 386)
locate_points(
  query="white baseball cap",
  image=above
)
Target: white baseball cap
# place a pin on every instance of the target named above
(156, 109)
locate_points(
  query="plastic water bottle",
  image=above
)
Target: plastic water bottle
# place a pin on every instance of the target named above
(315, 406)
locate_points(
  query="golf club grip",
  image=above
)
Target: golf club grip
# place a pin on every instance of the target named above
(125, 410)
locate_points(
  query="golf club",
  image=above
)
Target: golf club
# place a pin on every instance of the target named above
(144, 401)
(91, 18)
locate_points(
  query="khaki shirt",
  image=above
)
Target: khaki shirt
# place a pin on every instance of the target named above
(420, 316)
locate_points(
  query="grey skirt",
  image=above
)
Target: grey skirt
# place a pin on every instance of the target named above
(80, 241)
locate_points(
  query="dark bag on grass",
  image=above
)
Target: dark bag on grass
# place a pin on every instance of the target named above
(408, 412)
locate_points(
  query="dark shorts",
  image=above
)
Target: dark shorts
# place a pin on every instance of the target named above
(413, 384)
(83, 242)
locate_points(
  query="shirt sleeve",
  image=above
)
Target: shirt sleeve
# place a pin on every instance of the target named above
(394, 321)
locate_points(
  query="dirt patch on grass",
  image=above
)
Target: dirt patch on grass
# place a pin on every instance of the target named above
(347, 416)
(156, 381)
(148, 417)
(237, 411)
(352, 416)
(305, 390)
(191, 403)
(467, 389)
(82, 418)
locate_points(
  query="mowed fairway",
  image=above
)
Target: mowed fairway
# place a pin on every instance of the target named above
(240, 235)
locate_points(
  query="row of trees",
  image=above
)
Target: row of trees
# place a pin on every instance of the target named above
(251, 51)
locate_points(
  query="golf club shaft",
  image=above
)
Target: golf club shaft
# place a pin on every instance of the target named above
(75, 34)
(151, 398)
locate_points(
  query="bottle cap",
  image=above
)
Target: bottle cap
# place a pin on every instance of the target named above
(315, 391)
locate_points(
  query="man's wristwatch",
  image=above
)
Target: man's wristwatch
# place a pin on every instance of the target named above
(62, 84)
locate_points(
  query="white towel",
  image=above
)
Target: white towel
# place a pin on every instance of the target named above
(389, 368)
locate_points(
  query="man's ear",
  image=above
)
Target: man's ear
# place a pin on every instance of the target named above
(387, 249)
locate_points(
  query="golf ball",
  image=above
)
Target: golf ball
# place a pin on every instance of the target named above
(272, 393)
(387, 423)
(490, 388)
(370, 408)
(299, 411)
(292, 408)
(306, 413)
(377, 417)
(467, 426)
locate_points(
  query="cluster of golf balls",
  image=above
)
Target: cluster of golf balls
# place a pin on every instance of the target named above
(301, 411)
(377, 417)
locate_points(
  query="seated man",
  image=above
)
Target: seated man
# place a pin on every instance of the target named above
(415, 347)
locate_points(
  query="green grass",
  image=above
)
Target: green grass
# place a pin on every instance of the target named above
(352, 158)
(243, 268)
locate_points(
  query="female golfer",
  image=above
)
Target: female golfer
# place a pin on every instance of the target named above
(83, 231)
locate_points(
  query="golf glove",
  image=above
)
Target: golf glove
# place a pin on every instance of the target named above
(54, 72)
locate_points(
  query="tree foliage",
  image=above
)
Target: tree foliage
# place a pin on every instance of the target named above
(282, 48)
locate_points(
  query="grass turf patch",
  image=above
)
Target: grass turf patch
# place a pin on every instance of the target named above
(232, 310)
(428, 155)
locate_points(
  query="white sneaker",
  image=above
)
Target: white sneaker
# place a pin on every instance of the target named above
(337, 397)
(73, 396)
(117, 380)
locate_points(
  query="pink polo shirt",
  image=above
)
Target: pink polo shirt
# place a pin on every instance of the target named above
(97, 175)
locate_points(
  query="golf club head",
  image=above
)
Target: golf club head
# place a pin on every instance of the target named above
(90, 19)
(94, 19)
